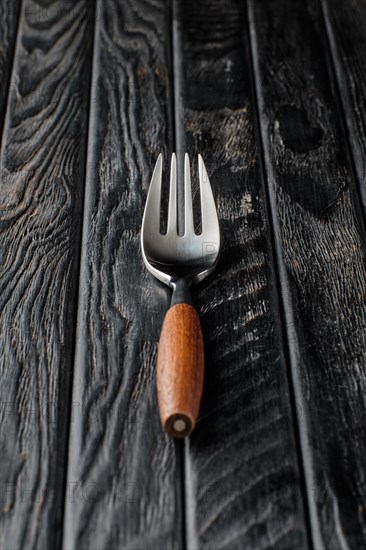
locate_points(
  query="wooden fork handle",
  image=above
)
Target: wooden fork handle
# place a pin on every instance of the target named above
(180, 370)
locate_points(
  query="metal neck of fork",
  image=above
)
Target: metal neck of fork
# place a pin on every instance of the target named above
(181, 293)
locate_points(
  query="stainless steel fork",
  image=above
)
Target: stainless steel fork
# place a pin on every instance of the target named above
(180, 261)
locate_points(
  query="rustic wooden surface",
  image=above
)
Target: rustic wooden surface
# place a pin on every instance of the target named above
(42, 180)
(118, 451)
(320, 251)
(242, 474)
(272, 94)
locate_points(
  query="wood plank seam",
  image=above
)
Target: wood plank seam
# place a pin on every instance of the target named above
(347, 117)
(78, 261)
(289, 335)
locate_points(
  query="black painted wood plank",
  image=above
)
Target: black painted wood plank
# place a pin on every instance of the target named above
(346, 27)
(243, 487)
(41, 188)
(124, 474)
(9, 13)
(321, 259)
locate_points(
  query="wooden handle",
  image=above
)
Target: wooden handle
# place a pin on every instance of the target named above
(180, 370)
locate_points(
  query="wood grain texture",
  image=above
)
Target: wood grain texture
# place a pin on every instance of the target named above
(243, 487)
(123, 468)
(9, 12)
(346, 27)
(41, 188)
(321, 258)
(180, 370)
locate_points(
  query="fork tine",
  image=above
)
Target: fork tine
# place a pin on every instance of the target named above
(188, 208)
(208, 207)
(172, 212)
(151, 220)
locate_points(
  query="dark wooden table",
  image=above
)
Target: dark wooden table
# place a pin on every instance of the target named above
(272, 94)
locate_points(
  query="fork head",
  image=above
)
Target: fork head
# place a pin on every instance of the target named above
(170, 257)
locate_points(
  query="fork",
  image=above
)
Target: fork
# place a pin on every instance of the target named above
(180, 261)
